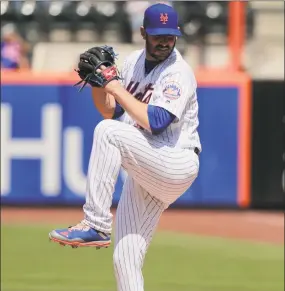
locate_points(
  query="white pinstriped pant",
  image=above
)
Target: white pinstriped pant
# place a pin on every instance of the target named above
(157, 176)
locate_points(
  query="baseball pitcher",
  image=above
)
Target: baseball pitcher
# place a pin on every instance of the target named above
(149, 129)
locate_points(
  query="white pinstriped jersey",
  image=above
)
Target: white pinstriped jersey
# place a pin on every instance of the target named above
(171, 85)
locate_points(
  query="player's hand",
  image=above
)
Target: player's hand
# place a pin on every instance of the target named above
(112, 82)
(101, 68)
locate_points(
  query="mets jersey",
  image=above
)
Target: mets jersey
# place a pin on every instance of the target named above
(170, 85)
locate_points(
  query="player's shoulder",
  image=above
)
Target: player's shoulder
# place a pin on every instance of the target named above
(133, 57)
(177, 67)
(179, 64)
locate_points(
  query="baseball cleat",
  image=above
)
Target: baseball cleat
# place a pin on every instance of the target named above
(80, 235)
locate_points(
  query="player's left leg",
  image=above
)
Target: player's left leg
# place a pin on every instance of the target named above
(137, 217)
(164, 171)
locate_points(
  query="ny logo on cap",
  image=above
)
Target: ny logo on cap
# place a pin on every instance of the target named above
(163, 18)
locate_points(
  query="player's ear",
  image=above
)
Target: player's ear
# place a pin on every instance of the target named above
(143, 33)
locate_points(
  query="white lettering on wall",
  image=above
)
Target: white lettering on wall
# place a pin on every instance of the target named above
(73, 151)
(45, 148)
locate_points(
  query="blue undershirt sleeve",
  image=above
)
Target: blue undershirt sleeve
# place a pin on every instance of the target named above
(159, 118)
(119, 111)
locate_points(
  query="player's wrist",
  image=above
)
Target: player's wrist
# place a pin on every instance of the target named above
(112, 86)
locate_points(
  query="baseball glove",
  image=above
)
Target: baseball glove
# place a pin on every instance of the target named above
(90, 61)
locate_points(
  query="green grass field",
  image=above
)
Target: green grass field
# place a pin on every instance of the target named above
(29, 262)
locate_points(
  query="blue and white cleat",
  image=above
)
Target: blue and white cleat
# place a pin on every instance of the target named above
(80, 235)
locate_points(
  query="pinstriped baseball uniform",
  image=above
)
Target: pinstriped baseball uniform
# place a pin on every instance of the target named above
(160, 167)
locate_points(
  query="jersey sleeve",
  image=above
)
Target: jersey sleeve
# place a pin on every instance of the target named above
(118, 112)
(173, 93)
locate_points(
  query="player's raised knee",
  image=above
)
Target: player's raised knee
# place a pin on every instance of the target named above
(104, 126)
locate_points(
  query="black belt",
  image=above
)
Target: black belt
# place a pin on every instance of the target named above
(196, 151)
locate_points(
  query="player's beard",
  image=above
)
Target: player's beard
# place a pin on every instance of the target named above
(159, 53)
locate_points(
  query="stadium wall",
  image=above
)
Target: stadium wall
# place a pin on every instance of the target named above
(47, 131)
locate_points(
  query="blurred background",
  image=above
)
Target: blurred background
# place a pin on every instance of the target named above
(56, 31)
(226, 233)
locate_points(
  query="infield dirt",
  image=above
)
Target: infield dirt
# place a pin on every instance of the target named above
(246, 225)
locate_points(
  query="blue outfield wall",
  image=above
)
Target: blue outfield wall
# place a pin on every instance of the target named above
(46, 139)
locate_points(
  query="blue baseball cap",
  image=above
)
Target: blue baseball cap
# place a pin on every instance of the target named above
(161, 19)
